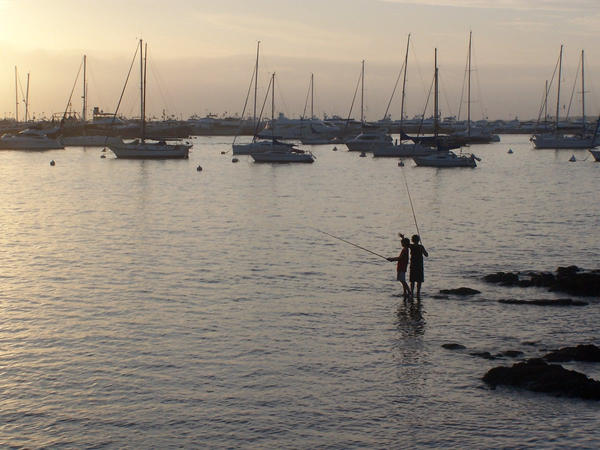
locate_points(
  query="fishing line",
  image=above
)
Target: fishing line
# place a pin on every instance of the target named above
(411, 203)
(348, 242)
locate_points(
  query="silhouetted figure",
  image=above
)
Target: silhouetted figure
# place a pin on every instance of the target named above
(417, 274)
(402, 264)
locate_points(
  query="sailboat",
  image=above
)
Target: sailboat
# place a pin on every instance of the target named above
(277, 153)
(402, 149)
(443, 158)
(141, 148)
(556, 140)
(257, 145)
(473, 135)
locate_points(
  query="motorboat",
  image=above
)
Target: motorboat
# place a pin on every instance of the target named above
(447, 159)
(284, 156)
(29, 139)
(369, 141)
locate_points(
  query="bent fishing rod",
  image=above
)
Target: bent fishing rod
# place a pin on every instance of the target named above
(351, 243)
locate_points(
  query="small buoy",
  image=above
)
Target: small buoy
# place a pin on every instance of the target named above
(363, 154)
(52, 163)
(199, 168)
(572, 158)
(400, 163)
(234, 160)
(334, 149)
(510, 151)
(222, 153)
(102, 156)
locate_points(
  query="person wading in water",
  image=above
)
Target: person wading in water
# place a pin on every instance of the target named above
(416, 264)
(402, 264)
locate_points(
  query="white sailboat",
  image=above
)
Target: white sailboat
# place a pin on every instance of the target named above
(444, 158)
(556, 140)
(29, 139)
(141, 148)
(277, 153)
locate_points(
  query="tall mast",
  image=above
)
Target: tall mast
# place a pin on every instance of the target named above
(435, 97)
(558, 93)
(273, 106)
(546, 105)
(144, 97)
(256, 85)
(362, 94)
(141, 90)
(16, 96)
(582, 93)
(312, 96)
(469, 90)
(84, 107)
(404, 84)
(27, 100)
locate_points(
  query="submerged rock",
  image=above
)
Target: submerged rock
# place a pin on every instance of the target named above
(546, 302)
(539, 376)
(460, 291)
(588, 353)
(512, 353)
(484, 355)
(454, 346)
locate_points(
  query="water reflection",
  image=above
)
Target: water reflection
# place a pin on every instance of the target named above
(410, 321)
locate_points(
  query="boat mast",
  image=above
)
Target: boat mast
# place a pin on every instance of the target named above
(546, 105)
(312, 96)
(362, 94)
(435, 97)
(256, 85)
(27, 100)
(469, 90)
(16, 96)
(144, 98)
(558, 93)
(84, 107)
(273, 106)
(582, 94)
(404, 86)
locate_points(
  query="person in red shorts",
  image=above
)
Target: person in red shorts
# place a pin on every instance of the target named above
(402, 265)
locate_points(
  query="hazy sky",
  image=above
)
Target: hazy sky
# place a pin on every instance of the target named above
(201, 53)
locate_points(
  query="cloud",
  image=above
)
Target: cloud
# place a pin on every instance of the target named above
(521, 5)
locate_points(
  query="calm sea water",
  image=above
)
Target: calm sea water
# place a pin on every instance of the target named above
(146, 304)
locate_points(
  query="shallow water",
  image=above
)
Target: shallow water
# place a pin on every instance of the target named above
(147, 304)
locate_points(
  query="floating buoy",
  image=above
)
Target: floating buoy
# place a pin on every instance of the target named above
(400, 163)
(572, 158)
(199, 168)
(222, 153)
(510, 151)
(363, 154)
(234, 160)
(334, 149)
(102, 156)
(52, 163)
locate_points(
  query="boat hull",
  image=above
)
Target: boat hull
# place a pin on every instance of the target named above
(258, 147)
(445, 160)
(283, 157)
(10, 143)
(150, 151)
(567, 142)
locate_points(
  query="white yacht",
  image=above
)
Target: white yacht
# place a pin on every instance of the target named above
(447, 159)
(402, 150)
(29, 139)
(369, 141)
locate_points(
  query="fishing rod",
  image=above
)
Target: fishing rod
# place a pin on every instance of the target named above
(351, 243)
(411, 204)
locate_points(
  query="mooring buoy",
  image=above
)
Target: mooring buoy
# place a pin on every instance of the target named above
(52, 163)
(363, 154)
(400, 163)
(572, 158)
(102, 156)
(510, 151)
(234, 160)
(199, 168)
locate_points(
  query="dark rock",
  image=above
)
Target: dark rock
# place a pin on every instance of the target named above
(539, 376)
(589, 353)
(460, 291)
(453, 346)
(545, 302)
(484, 355)
(571, 279)
(512, 353)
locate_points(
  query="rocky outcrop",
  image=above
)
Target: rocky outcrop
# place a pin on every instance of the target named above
(463, 291)
(571, 280)
(539, 376)
(588, 353)
(546, 302)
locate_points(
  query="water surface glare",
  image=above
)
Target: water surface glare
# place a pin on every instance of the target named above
(146, 304)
